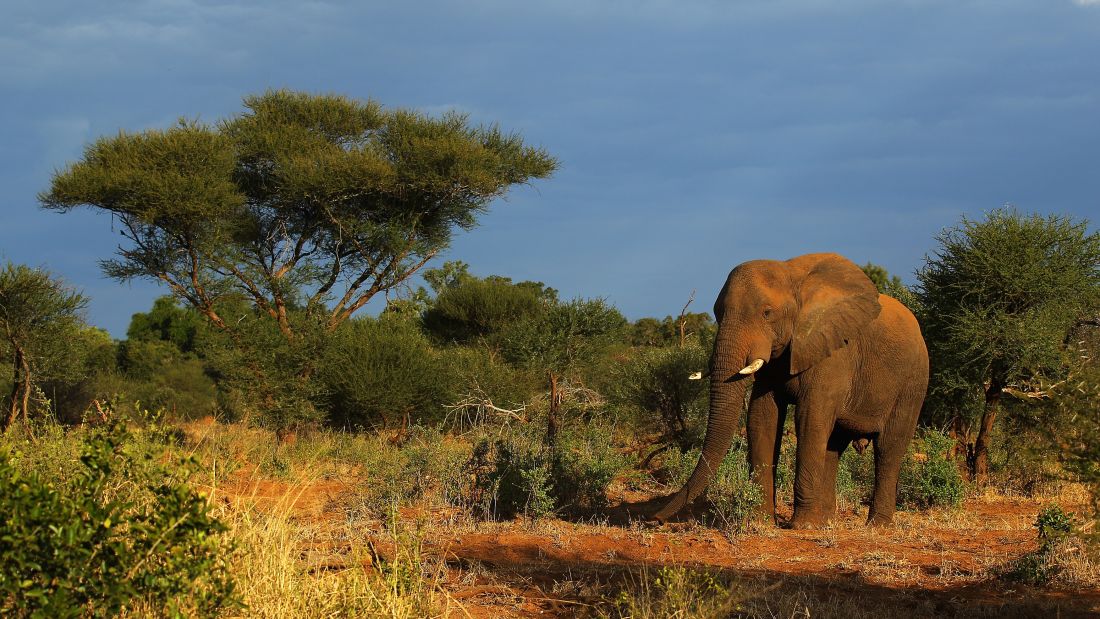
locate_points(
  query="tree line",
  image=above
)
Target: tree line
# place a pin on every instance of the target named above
(271, 229)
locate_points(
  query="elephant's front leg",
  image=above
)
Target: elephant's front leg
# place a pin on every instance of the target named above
(765, 433)
(816, 461)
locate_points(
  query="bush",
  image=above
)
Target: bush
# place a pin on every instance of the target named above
(1059, 549)
(929, 476)
(478, 373)
(521, 474)
(563, 335)
(82, 548)
(855, 478)
(733, 497)
(656, 382)
(375, 372)
(158, 375)
(477, 308)
(262, 376)
(426, 465)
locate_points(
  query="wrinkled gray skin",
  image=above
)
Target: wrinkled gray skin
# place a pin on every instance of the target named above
(852, 362)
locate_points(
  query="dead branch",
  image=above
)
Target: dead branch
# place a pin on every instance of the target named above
(683, 321)
(476, 410)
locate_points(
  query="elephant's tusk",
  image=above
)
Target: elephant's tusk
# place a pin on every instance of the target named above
(752, 367)
(695, 376)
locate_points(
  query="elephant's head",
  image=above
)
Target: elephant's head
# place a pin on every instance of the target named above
(808, 306)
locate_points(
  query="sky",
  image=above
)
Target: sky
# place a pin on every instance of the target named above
(692, 135)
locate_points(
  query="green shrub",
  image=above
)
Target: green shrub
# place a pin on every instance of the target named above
(478, 308)
(855, 478)
(520, 474)
(733, 497)
(158, 375)
(376, 372)
(479, 375)
(929, 476)
(1053, 525)
(656, 382)
(521, 479)
(1054, 528)
(563, 335)
(263, 376)
(85, 548)
(426, 465)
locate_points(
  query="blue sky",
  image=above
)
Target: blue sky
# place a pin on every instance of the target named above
(692, 135)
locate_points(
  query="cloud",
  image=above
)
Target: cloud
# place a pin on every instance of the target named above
(1087, 2)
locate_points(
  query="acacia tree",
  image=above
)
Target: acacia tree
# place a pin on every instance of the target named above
(307, 206)
(39, 317)
(999, 298)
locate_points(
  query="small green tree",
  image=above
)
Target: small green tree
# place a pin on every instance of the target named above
(559, 338)
(379, 370)
(306, 206)
(39, 317)
(473, 308)
(698, 327)
(999, 298)
(658, 380)
(1074, 433)
(890, 285)
(167, 321)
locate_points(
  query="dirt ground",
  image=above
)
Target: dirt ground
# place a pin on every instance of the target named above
(939, 563)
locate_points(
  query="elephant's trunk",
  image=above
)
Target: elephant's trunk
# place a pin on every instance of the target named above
(727, 398)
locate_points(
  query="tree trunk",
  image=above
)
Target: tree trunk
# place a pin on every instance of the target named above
(16, 383)
(980, 457)
(552, 422)
(20, 388)
(960, 433)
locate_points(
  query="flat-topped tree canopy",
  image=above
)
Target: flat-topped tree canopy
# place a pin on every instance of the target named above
(302, 202)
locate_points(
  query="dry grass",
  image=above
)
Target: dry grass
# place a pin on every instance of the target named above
(307, 553)
(288, 568)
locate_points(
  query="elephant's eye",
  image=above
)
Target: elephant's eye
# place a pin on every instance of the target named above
(767, 313)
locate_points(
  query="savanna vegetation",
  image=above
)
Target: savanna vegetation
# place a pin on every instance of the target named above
(483, 447)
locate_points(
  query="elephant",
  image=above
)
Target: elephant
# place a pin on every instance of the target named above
(812, 332)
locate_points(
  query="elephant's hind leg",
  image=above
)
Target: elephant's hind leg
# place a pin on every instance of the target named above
(890, 446)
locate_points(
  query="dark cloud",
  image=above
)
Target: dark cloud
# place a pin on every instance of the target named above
(693, 135)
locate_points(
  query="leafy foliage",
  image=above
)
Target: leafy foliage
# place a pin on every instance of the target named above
(167, 322)
(1000, 296)
(39, 319)
(306, 206)
(657, 381)
(522, 475)
(998, 299)
(563, 335)
(733, 497)
(929, 476)
(699, 329)
(891, 285)
(81, 549)
(1054, 528)
(1074, 432)
(474, 308)
(374, 371)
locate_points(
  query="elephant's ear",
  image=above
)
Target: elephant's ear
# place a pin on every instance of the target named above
(837, 300)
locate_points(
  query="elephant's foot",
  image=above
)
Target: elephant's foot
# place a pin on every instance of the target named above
(810, 520)
(875, 519)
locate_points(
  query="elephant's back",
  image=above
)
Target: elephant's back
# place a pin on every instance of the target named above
(898, 332)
